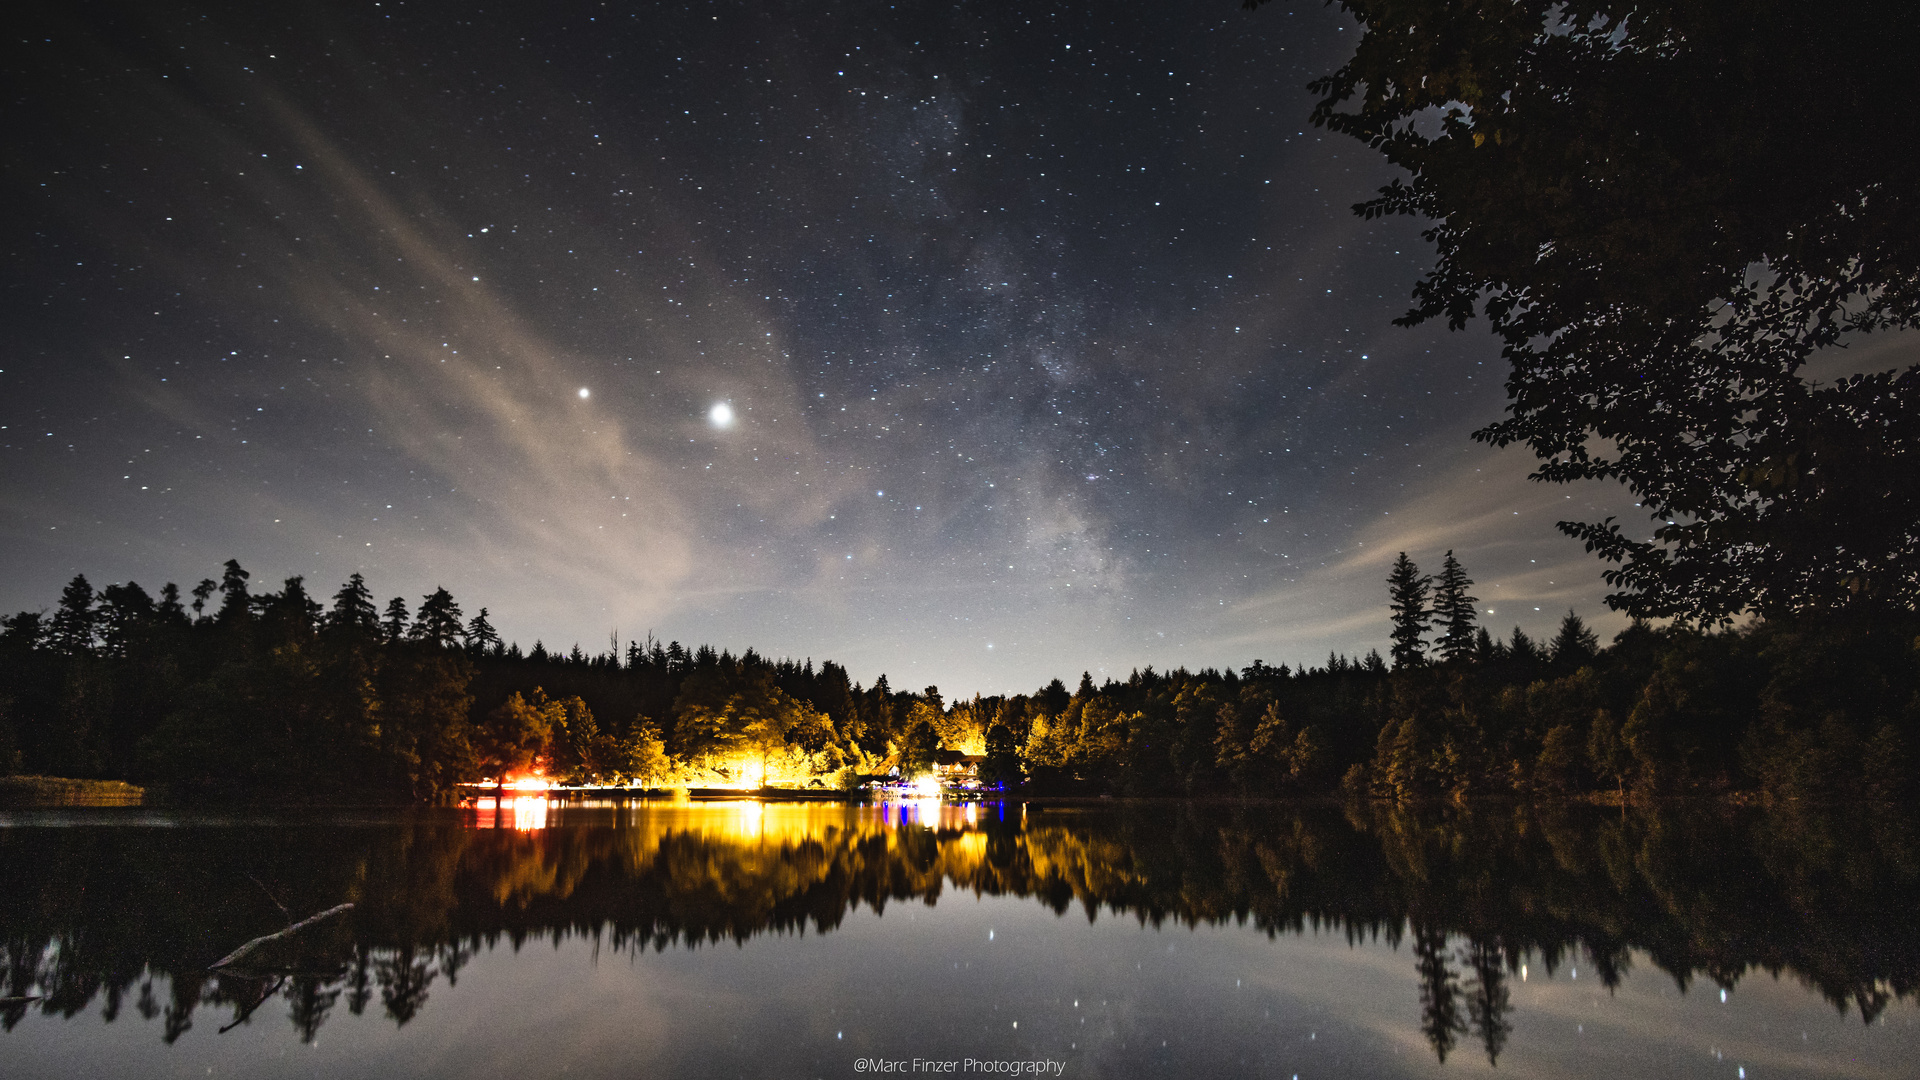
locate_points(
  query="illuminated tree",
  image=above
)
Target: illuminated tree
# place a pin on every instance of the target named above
(1002, 764)
(732, 717)
(918, 752)
(644, 755)
(518, 734)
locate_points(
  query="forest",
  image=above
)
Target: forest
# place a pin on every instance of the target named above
(229, 693)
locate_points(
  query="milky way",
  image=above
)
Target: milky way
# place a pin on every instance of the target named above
(974, 344)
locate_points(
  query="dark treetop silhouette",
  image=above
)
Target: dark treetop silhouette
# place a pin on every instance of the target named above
(1665, 211)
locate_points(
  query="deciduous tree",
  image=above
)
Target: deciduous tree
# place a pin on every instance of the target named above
(1665, 212)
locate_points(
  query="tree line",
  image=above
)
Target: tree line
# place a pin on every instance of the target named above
(227, 692)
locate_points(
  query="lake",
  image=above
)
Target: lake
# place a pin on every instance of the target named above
(726, 939)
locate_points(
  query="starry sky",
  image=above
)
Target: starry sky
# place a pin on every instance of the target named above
(974, 343)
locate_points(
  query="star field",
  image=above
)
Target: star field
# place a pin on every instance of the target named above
(975, 345)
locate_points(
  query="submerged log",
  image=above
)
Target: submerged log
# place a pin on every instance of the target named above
(235, 955)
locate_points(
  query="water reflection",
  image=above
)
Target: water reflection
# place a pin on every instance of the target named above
(523, 812)
(115, 915)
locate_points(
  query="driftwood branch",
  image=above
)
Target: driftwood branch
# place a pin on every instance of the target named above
(235, 955)
(241, 1016)
(275, 899)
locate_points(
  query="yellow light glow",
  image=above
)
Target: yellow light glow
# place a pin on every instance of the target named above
(927, 787)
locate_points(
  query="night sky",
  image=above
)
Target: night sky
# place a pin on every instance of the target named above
(975, 344)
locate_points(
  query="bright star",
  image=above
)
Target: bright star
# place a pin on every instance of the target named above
(721, 415)
(585, 393)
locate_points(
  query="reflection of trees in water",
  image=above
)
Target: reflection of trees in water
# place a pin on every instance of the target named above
(117, 913)
(1488, 1002)
(1484, 996)
(1440, 1018)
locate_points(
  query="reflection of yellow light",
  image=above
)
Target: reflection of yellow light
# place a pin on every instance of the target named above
(529, 813)
(750, 820)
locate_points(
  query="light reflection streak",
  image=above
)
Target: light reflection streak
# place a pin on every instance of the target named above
(523, 812)
(750, 820)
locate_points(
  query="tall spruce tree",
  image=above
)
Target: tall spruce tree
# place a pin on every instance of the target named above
(353, 607)
(438, 620)
(481, 638)
(1453, 609)
(1407, 591)
(169, 611)
(395, 627)
(236, 606)
(77, 621)
(1574, 645)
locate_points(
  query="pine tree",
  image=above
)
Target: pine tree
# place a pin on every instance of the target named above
(1485, 649)
(169, 611)
(75, 624)
(353, 607)
(395, 628)
(235, 605)
(200, 594)
(1521, 648)
(1453, 609)
(289, 614)
(438, 620)
(1407, 591)
(481, 637)
(1574, 645)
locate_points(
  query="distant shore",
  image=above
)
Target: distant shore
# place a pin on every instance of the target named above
(61, 791)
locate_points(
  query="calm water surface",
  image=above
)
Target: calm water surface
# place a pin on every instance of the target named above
(798, 940)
